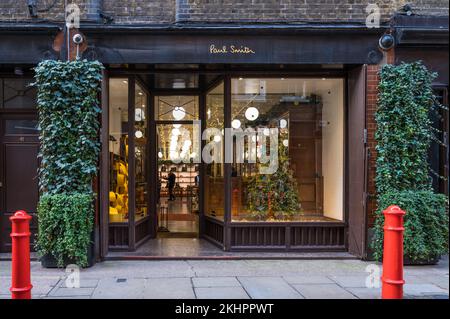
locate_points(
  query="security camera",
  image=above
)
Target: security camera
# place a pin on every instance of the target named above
(78, 39)
(32, 8)
(386, 42)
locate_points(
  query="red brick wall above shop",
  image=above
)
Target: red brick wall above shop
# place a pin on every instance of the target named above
(169, 11)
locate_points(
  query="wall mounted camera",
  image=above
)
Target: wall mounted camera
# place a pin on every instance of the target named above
(78, 39)
(386, 42)
(32, 8)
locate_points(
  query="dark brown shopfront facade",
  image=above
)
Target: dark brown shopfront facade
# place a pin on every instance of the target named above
(160, 85)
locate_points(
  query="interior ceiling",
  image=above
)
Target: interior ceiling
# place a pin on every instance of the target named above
(262, 93)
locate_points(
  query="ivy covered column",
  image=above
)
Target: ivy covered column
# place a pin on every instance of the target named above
(68, 110)
(404, 135)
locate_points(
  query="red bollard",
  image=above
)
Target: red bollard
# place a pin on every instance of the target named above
(392, 278)
(20, 235)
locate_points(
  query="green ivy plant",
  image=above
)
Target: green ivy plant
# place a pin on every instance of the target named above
(404, 128)
(426, 224)
(68, 118)
(68, 109)
(404, 134)
(65, 227)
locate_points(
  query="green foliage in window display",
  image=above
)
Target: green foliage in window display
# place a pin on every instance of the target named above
(68, 109)
(65, 227)
(404, 135)
(274, 196)
(426, 223)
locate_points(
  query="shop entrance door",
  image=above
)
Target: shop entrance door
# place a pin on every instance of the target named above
(178, 171)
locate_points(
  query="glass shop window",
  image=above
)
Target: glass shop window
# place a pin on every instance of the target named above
(176, 108)
(118, 151)
(289, 159)
(17, 93)
(140, 153)
(214, 179)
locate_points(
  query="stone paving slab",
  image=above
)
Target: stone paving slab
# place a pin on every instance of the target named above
(84, 283)
(71, 292)
(350, 281)
(221, 279)
(365, 293)
(169, 288)
(111, 288)
(268, 288)
(206, 282)
(308, 280)
(221, 293)
(323, 291)
(422, 289)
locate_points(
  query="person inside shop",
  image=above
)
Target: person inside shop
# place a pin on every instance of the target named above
(171, 181)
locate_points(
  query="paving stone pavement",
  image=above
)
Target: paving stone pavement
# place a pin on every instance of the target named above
(222, 279)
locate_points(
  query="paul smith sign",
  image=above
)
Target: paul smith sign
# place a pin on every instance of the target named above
(230, 49)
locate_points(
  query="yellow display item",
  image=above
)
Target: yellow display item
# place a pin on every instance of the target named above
(115, 216)
(120, 199)
(112, 197)
(123, 169)
(121, 179)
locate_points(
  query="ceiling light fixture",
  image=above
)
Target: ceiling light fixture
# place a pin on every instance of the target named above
(251, 113)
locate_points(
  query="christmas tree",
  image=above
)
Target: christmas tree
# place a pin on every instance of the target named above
(275, 196)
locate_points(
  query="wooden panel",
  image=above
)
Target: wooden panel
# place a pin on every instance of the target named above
(305, 152)
(214, 231)
(118, 237)
(20, 188)
(356, 161)
(288, 236)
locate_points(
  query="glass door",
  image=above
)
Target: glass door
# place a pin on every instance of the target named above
(129, 173)
(178, 166)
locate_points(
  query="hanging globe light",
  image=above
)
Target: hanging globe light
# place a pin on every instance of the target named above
(179, 113)
(283, 123)
(160, 154)
(251, 113)
(286, 143)
(138, 134)
(236, 124)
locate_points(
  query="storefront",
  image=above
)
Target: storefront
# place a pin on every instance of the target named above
(163, 87)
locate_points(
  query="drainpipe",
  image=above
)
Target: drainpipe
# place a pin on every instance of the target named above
(93, 9)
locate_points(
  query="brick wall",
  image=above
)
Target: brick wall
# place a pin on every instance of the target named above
(169, 11)
(371, 107)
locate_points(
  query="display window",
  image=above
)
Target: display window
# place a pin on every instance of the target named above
(307, 117)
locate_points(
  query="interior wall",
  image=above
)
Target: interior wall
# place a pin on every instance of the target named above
(333, 151)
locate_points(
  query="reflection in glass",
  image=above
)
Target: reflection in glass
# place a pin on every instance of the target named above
(118, 150)
(176, 108)
(18, 94)
(140, 154)
(214, 179)
(308, 184)
(21, 127)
